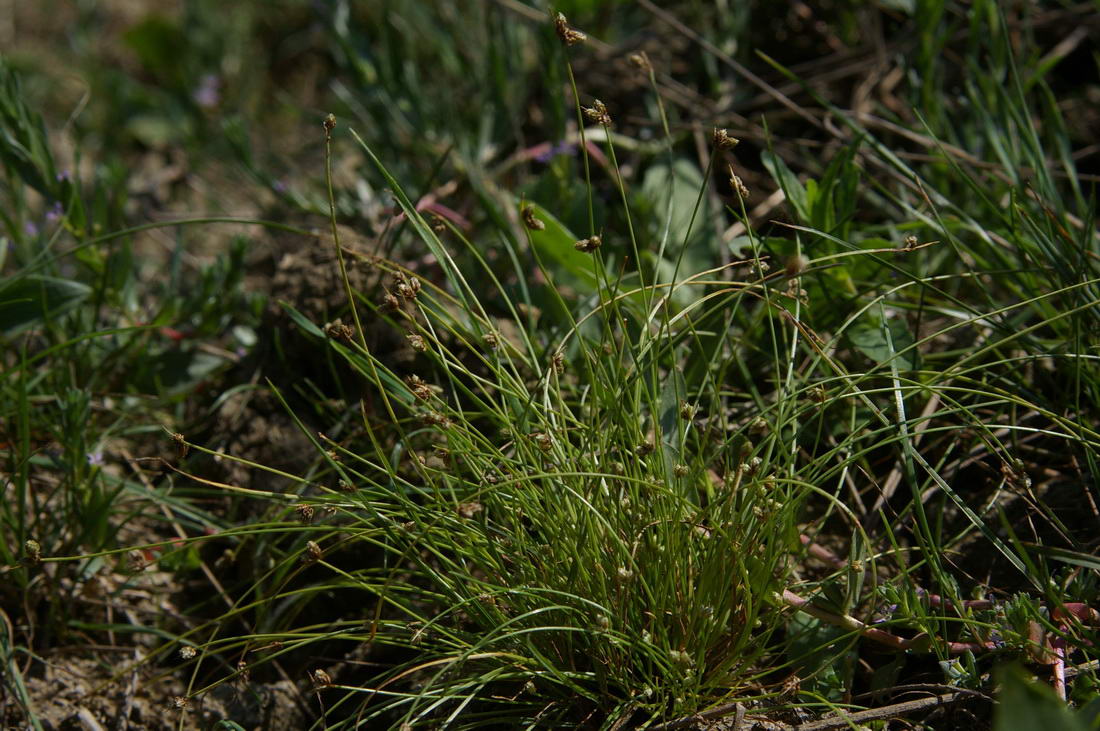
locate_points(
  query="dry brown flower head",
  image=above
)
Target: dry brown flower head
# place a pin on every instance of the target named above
(337, 330)
(419, 387)
(723, 140)
(640, 61)
(738, 186)
(568, 36)
(588, 245)
(530, 220)
(598, 113)
(469, 510)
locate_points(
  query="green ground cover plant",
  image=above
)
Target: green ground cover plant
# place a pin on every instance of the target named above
(558, 412)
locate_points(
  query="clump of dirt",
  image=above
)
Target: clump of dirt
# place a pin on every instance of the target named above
(77, 692)
(132, 680)
(95, 689)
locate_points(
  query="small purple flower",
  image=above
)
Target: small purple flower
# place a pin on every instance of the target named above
(55, 212)
(207, 94)
(279, 186)
(884, 614)
(561, 148)
(30, 228)
(95, 459)
(63, 176)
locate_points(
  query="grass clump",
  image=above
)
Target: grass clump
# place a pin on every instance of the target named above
(561, 516)
(614, 430)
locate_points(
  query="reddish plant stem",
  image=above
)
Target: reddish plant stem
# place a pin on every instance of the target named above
(919, 643)
(1063, 614)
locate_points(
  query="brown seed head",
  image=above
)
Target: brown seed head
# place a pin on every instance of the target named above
(33, 551)
(419, 387)
(182, 448)
(407, 287)
(723, 140)
(313, 551)
(434, 418)
(530, 220)
(330, 123)
(305, 513)
(568, 35)
(389, 302)
(416, 342)
(598, 113)
(337, 330)
(137, 561)
(469, 510)
(796, 265)
(738, 186)
(588, 245)
(320, 678)
(543, 441)
(795, 291)
(640, 61)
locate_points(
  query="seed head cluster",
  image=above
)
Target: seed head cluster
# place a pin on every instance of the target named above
(406, 287)
(567, 35)
(641, 61)
(588, 245)
(530, 220)
(723, 140)
(598, 113)
(738, 186)
(337, 330)
(419, 387)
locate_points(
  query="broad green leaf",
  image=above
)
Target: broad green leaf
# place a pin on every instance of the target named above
(869, 336)
(821, 655)
(788, 181)
(673, 192)
(1029, 706)
(554, 245)
(673, 394)
(28, 301)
